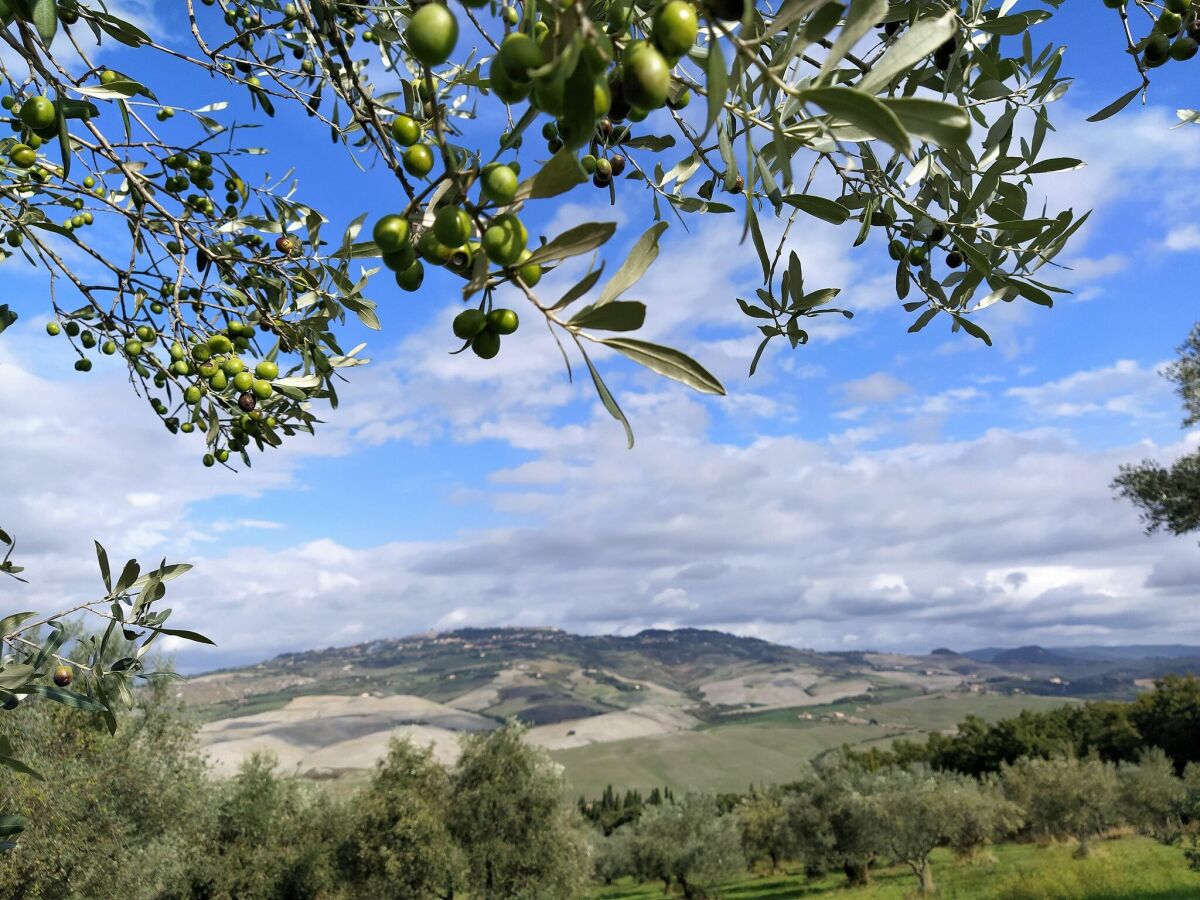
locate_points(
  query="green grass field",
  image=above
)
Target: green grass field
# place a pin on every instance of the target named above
(1131, 868)
(729, 758)
(936, 711)
(771, 747)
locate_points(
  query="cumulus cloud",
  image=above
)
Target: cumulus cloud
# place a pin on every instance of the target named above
(873, 390)
(801, 541)
(1007, 537)
(793, 531)
(1183, 239)
(1124, 388)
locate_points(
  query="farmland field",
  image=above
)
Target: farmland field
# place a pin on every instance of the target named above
(773, 746)
(693, 710)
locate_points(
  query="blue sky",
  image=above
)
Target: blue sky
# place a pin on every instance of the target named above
(873, 489)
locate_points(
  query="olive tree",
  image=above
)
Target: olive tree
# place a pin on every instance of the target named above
(979, 814)
(53, 658)
(811, 833)
(922, 810)
(1064, 798)
(849, 823)
(271, 835)
(766, 833)
(110, 815)
(1152, 797)
(910, 806)
(1191, 806)
(519, 837)
(613, 854)
(398, 844)
(689, 843)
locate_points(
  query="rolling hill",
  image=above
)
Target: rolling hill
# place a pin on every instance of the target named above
(689, 708)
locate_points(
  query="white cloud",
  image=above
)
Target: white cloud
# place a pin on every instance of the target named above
(1085, 269)
(1134, 155)
(1183, 239)
(1006, 536)
(876, 389)
(794, 540)
(947, 401)
(1124, 388)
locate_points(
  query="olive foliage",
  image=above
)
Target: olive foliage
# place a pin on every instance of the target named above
(54, 658)
(689, 844)
(1169, 496)
(923, 810)
(1065, 797)
(110, 815)
(922, 123)
(399, 844)
(506, 812)
(140, 815)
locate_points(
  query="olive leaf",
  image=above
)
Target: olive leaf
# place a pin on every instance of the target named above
(640, 258)
(943, 124)
(618, 315)
(607, 398)
(561, 173)
(667, 361)
(573, 242)
(44, 14)
(717, 74)
(819, 207)
(914, 44)
(863, 111)
(862, 18)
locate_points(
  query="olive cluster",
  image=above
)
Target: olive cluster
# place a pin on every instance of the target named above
(457, 236)
(229, 276)
(624, 64)
(912, 243)
(627, 64)
(340, 17)
(631, 76)
(1175, 36)
(36, 118)
(212, 367)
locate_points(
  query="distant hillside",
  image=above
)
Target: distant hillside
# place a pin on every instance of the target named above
(1029, 656)
(1132, 652)
(448, 665)
(1124, 653)
(1112, 672)
(687, 707)
(332, 711)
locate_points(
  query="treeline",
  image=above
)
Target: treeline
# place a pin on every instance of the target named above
(137, 815)
(844, 817)
(1167, 717)
(612, 810)
(1071, 773)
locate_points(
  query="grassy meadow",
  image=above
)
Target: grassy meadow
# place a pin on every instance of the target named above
(773, 746)
(1128, 868)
